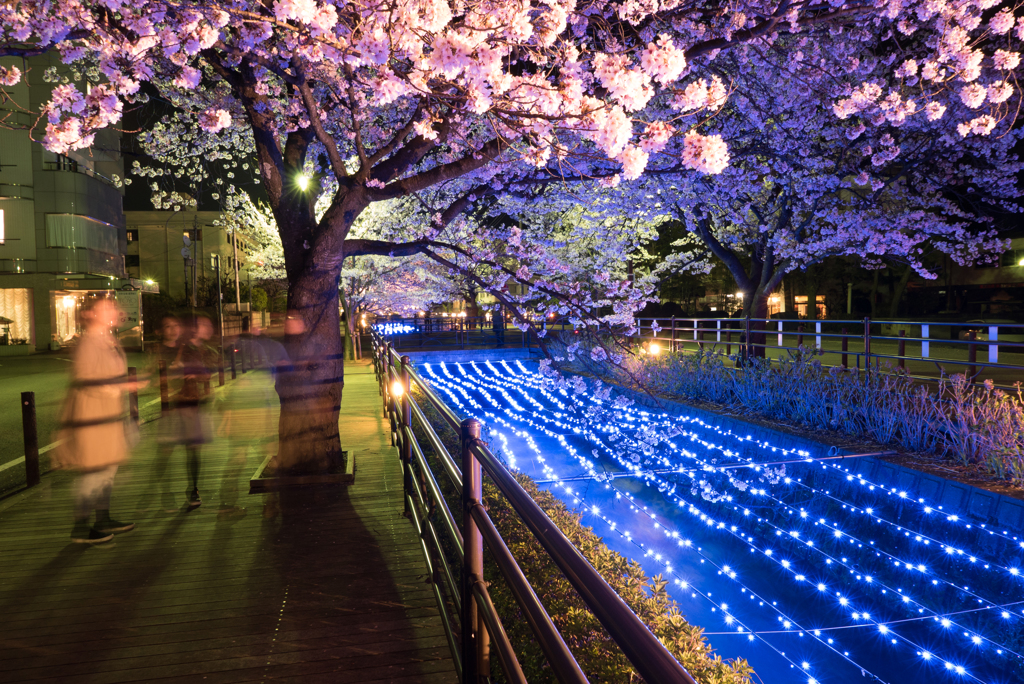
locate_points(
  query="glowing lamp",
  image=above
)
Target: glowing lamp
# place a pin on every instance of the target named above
(302, 180)
(396, 389)
(654, 348)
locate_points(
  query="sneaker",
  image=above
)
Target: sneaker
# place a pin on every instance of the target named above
(83, 534)
(193, 499)
(109, 525)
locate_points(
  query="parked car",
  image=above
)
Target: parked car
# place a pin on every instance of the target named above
(1010, 332)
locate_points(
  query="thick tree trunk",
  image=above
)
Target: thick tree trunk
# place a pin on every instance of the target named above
(898, 290)
(310, 390)
(755, 305)
(874, 295)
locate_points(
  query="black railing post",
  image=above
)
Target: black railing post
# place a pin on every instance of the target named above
(406, 441)
(673, 333)
(28, 427)
(234, 372)
(902, 349)
(165, 399)
(800, 335)
(475, 665)
(133, 394)
(846, 348)
(972, 355)
(867, 344)
(728, 340)
(747, 348)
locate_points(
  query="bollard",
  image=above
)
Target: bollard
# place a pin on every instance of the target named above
(846, 348)
(234, 373)
(165, 400)
(728, 342)
(133, 394)
(28, 427)
(800, 335)
(220, 373)
(673, 333)
(475, 647)
(972, 356)
(406, 429)
(902, 349)
(245, 358)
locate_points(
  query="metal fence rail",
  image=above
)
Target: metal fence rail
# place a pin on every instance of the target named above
(463, 586)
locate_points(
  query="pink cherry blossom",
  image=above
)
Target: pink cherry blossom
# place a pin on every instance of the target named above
(973, 95)
(1005, 60)
(9, 76)
(214, 120)
(1002, 22)
(707, 154)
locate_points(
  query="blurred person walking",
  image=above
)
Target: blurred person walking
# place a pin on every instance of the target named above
(198, 360)
(168, 428)
(94, 421)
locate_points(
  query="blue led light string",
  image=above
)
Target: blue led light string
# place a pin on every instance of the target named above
(490, 399)
(693, 588)
(918, 535)
(968, 523)
(902, 563)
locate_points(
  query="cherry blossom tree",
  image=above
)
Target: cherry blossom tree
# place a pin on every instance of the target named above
(860, 160)
(384, 100)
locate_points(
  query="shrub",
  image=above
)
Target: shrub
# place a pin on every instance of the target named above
(972, 424)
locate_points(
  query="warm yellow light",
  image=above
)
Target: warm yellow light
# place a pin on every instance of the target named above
(396, 389)
(1021, 262)
(150, 282)
(654, 348)
(69, 302)
(462, 315)
(302, 181)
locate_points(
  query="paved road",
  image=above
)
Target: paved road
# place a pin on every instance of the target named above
(47, 375)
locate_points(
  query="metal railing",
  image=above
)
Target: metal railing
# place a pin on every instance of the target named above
(480, 626)
(854, 344)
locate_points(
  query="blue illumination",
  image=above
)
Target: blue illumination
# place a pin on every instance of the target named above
(913, 576)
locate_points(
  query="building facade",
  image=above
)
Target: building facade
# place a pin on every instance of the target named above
(157, 248)
(62, 231)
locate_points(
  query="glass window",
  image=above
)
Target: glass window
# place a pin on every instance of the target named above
(80, 232)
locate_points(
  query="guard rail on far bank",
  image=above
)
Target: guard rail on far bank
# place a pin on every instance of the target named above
(480, 625)
(947, 347)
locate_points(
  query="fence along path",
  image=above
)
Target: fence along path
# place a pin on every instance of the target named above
(314, 586)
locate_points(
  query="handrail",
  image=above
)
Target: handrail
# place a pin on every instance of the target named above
(551, 642)
(643, 649)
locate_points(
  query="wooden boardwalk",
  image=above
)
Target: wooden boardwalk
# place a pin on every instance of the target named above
(318, 585)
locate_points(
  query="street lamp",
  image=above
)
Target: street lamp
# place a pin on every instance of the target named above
(302, 180)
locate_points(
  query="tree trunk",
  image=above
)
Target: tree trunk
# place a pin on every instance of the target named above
(898, 290)
(755, 305)
(874, 296)
(310, 390)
